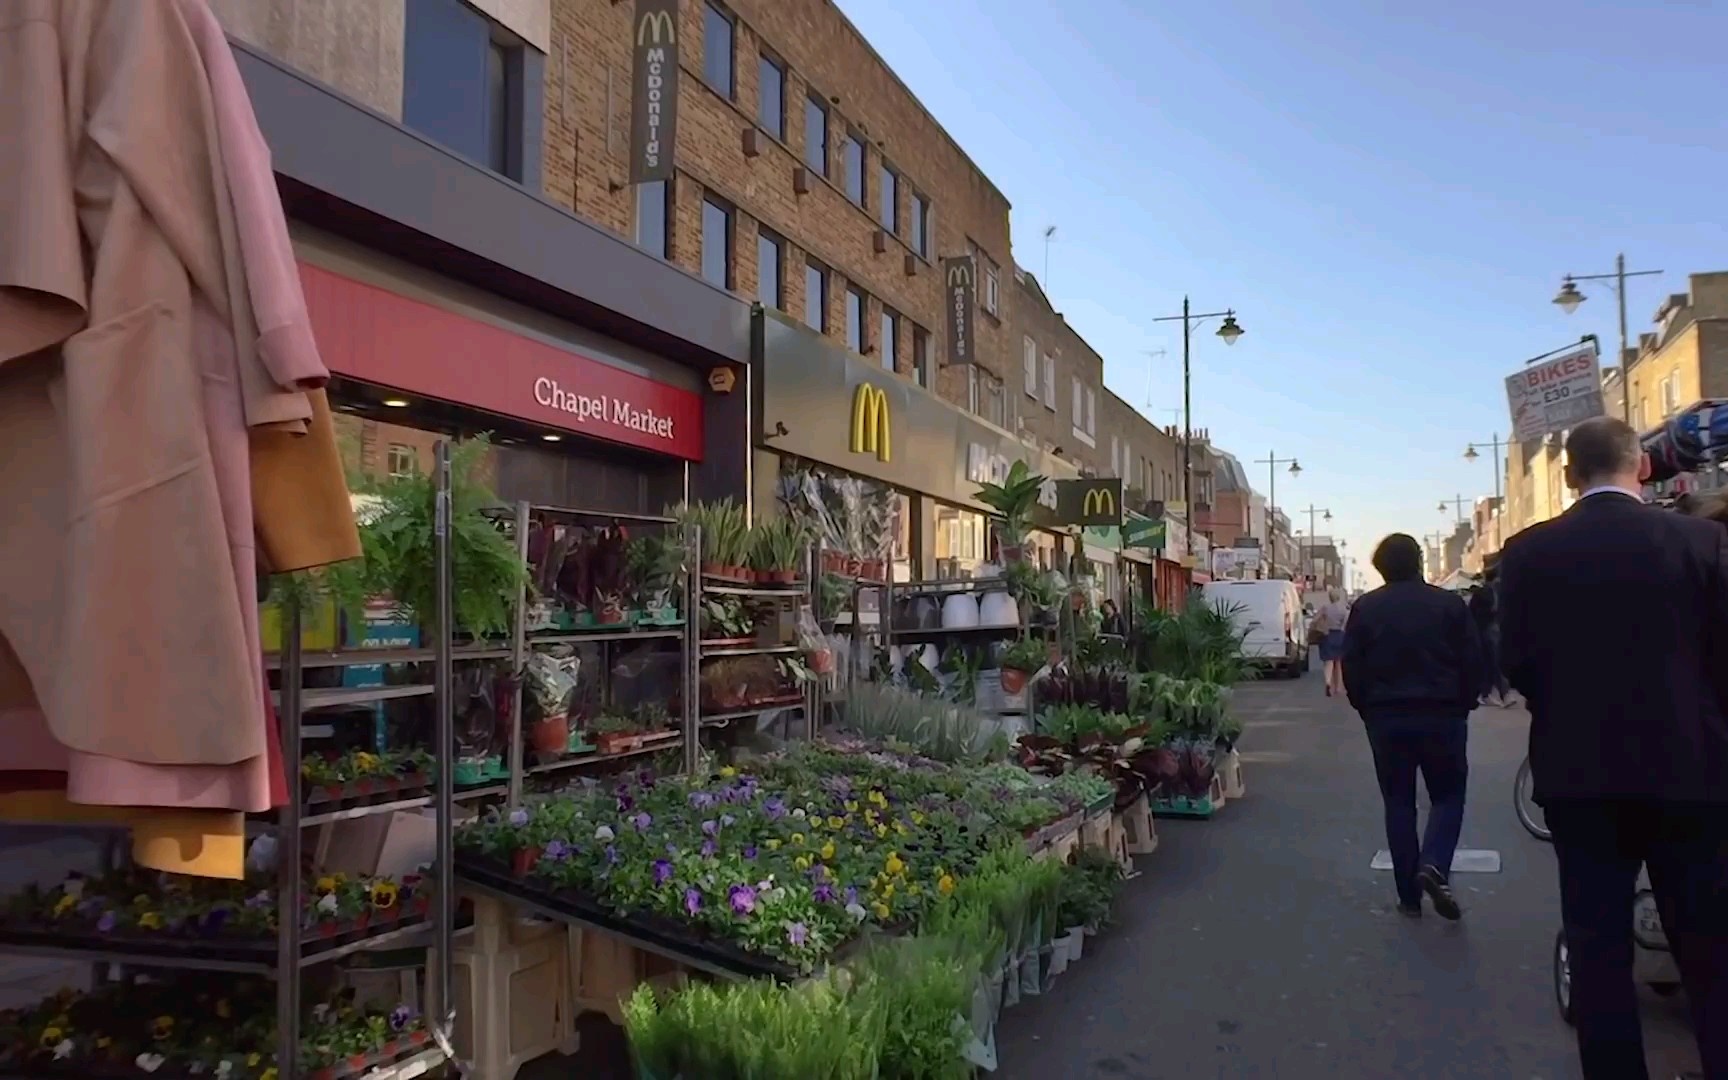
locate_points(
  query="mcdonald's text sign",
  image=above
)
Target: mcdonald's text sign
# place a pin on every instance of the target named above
(960, 275)
(1095, 501)
(872, 427)
(654, 90)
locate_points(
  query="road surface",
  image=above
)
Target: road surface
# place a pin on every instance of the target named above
(1260, 946)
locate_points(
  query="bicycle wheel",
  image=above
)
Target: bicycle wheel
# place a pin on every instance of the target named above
(1529, 814)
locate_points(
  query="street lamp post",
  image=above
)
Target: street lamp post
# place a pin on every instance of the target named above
(1272, 461)
(1569, 298)
(1307, 555)
(1229, 331)
(1498, 444)
(1457, 502)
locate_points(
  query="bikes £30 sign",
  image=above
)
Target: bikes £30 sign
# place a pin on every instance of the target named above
(1555, 394)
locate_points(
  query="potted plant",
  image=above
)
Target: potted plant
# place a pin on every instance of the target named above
(725, 537)
(550, 735)
(1013, 499)
(726, 621)
(615, 733)
(777, 549)
(608, 576)
(653, 564)
(1020, 661)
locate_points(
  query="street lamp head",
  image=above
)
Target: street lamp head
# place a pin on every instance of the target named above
(1328, 516)
(1442, 506)
(1569, 297)
(1295, 469)
(1470, 453)
(1229, 331)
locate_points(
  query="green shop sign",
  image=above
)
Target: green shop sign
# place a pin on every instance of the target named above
(1142, 532)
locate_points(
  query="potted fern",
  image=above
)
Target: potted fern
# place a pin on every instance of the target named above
(1013, 499)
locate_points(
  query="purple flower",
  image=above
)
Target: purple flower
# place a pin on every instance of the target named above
(727, 820)
(775, 808)
(612, 855)
(671, 849)
(400, 1017)
(818, 873)
(750, 852)
(708, 849)
(662, 872)
(701, 800)
(710, 827)
(558, 850)
(625, 804)
(260, 899)
(692, 900)
(851, 894)
(518, 817)
(797, 933)
(642, 821)
(106, 923)
(742, 898)
(823, 894)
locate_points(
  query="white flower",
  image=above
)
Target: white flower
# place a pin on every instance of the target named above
(149, 1062)
(63, 1049)
(604, 832)
(327, 903)
(798, 812)
(856, 910)
(195, 1068)
(320, 1012)
(225, 1067)
(774, 895)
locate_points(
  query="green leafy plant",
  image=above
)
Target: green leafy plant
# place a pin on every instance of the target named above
(1203, 641)
(1027, 654)
(778, 545)
(1014, 499)
(726, 534)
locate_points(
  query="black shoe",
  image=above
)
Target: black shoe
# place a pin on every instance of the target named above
(1439, 893)
(1410, 911)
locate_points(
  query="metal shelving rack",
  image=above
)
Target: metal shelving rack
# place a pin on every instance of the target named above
(521, 642)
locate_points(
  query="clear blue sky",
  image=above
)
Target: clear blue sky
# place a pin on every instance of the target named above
(1387, 193)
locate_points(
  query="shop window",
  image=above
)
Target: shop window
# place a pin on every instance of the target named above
(717, 65)
(961, 537)
(401, 460)
(920, 231)
(889, 185)
(769, 289)
(890, 341)
(921, 361)
(816, 134)
(852, 151)
(855, 338)
(652, 217)
(717, 243)
(471, 85)
(851, 515)
(815, 296)
(771, 97)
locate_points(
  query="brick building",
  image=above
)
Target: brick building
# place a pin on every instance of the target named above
(807, 176)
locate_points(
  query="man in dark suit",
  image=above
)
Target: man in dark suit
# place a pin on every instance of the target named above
(1614, 627)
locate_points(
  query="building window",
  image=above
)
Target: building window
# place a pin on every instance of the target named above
(855, 320)
(469, 84)
(985, 396)
(853, 151)
(717, 67)
(771, 97)
(402, 461)
(717, 243)
(816, 135)
(890, 337)
(816, 297)
(992, 288)
(920, 225)
(921, 356)
(1029, 365)
(889, 185)
(1670, 396)
(652, 216)
(1049, 382)
(497, 107)
(1078, 408)
(769, 289)
(1091, 411)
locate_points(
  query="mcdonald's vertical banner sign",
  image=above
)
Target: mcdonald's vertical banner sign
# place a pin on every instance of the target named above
(872, 427)
(1094, 501)
(961, 275)
(654, 91)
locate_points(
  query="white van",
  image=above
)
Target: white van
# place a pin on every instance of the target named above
(1270, 612)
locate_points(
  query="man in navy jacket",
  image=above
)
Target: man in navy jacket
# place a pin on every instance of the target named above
(1614, 627)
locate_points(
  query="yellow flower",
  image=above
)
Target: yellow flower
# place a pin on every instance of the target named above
(773, 845)
(828, 850)
(64, 904)
(881, 830)
(797, 838)
(870, 816)
(802, 862)
(900, 827)
(913, 889)
(268, 1074)
(895, 864)
(326, 884)
(851, 806)
(51, 1037)
(917, 817)
(252, 1060)
(162, 1027)
(150, 921)
(888, 890)
(835, 821)
(728, 772)
(365, 762)
(384, 894)
(881, 910)
(945, 884)
(878, 798)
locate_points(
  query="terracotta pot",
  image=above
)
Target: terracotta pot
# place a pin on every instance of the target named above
(1013, 680)
(522, 860)
(550, 736)
(821, 661)
(854, 566)
(786, 577)
(714, 570)
(612, 614)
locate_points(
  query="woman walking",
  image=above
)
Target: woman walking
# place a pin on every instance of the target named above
(1413, 669)
(1332, 619)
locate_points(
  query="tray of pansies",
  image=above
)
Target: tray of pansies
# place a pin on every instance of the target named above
(770, 872)
(361, 777)
(147, 912)
(185, 1026)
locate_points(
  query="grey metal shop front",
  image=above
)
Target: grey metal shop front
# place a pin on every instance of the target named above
(832, 427)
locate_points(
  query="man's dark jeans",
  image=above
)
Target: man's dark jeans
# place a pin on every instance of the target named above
(1600, 845)
(1434, 744)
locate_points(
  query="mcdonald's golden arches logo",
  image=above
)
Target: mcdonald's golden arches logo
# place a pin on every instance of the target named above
(1099, 502)
(1094, 501)
(657, 28)
(959, 274)
(870, 423)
